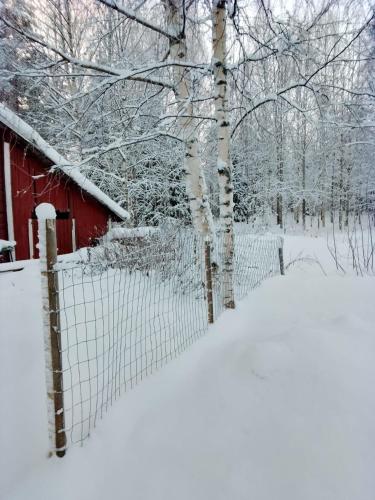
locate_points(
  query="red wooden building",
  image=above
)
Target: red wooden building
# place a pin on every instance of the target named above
(26, 179)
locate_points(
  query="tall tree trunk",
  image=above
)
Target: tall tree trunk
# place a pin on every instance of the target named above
(323, 215)
(341, 183)
(333, 190)
(296, 214)
(194, 177)
(347, 195)
(224, 168)
(280, 164)
(303, 169)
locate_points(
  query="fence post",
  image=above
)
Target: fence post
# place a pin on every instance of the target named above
(207, 260)
(51, 324)
(281, 256)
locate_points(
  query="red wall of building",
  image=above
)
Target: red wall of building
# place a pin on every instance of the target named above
(91, 216)
(22, 196)
(31, 185)
(3, 213)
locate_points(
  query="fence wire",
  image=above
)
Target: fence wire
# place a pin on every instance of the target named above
(128, 308)
(256, 258)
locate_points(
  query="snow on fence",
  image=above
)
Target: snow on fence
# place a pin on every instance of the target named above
(119, 312)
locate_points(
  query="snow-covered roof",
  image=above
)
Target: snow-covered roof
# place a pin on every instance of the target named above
(21, 128)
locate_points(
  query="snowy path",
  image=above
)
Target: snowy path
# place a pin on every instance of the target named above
(275, 403)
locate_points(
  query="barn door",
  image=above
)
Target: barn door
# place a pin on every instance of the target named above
(65, 236)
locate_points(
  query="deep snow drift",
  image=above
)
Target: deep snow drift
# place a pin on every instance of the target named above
(275, 402)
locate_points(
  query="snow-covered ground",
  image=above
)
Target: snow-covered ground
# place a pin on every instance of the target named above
(275, 402)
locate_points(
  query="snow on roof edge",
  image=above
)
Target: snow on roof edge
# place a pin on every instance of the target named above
(15, 123)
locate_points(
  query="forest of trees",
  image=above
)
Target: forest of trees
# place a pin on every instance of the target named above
(153, 97)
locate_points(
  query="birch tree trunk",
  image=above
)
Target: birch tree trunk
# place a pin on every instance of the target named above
(219, 34)
(194, 177)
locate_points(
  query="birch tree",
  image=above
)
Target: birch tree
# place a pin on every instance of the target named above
(194, 176)
(224, 168)
(125, 89)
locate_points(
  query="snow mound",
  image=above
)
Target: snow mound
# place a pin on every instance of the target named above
(7, 245)
(45, 211)
(119, 233)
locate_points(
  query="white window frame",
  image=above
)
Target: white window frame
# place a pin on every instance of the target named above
(8, 194)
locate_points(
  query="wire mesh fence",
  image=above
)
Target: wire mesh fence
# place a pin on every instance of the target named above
(128, 308)
(256, 258)
(122, 316)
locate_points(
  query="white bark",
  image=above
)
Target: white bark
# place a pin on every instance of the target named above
(224, 168)
(194, 176)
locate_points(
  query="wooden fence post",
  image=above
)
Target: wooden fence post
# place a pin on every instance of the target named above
(208, 266)
(281, 257)
(51, 322)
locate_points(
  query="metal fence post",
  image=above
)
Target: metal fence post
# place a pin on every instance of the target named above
(281, 256)
(51, 322)
(208, 266)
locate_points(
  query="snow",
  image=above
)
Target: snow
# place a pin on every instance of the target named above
(118, 233)
(45, 211)
(23, 413)
(6, 245)
(276, 402)
(79, 256)
(24, 130)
